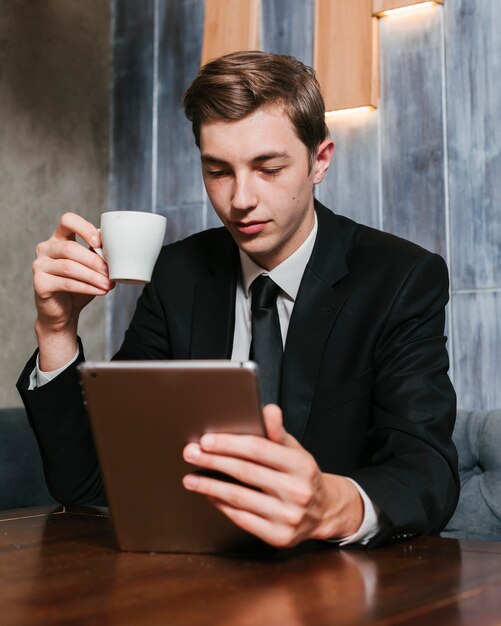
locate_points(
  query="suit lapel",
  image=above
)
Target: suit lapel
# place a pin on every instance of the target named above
(214, 306)
(319, 301)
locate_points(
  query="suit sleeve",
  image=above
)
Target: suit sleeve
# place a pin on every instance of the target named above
(411, 470)
(59, 421)
(147, 336)
(58, 417)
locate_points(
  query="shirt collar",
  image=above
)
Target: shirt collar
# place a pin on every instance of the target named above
(288, 274)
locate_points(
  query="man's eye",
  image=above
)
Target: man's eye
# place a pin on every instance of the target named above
(271, 171)
(216, 173)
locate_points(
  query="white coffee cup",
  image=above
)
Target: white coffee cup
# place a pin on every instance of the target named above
(131, 244)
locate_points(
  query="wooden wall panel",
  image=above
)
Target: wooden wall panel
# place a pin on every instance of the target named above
(287, 28)
(477, 349)
(412, 148)
(230, 26)
(345, 53)
(351, 186)
(473, 56)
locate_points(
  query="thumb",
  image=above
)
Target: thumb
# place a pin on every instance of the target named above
(274, 425)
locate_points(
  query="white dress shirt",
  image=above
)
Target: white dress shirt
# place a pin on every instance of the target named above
(287, 276)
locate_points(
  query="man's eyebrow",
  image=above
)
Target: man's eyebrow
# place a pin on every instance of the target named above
(270, 155)
(209, 158)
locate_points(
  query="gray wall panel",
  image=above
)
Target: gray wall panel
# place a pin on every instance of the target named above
(412, 149)
(477, 353)
(287, 27)
(473, 54)
(131, 173)
(390, 166)
(121, 306)
(183, 219)
(212, 219)
(55, 62)
(351, 186)
(180, 28)
(157, 53)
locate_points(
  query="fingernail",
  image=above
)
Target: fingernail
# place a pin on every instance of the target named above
(192, 452)
(105, 282)
(190, 481)
(208, 441)
(94, 241)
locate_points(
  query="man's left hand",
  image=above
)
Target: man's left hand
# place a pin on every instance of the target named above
(284, 498)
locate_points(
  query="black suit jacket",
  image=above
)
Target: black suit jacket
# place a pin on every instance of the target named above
(364, 387)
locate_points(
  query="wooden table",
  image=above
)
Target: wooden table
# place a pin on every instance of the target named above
(60, 566)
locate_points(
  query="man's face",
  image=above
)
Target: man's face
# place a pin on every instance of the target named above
(256, 174)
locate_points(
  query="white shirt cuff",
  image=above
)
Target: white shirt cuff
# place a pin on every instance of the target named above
(370, 525)
(38, 378)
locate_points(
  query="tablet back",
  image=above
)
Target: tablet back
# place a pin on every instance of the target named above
(142, 415)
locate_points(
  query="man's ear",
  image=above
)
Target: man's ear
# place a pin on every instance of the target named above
(322, 160)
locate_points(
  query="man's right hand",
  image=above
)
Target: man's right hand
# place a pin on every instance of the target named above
(66, 277)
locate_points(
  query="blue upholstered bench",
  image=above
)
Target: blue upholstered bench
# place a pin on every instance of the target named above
(477, 436)
(21, 476)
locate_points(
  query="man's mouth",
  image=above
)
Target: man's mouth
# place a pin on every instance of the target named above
(249, 228)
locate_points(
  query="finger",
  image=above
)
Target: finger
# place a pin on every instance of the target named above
(66, 268)
(237, 496)
(57, 249)
(273, 422)
(46, 285)
(294, 488)
(266, 479)
(278, 535)
(62, 258)
(251, 448)
(72, 224)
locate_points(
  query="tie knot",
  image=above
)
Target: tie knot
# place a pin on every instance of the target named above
(264, 292)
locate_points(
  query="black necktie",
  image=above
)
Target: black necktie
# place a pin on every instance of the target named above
(266, 347)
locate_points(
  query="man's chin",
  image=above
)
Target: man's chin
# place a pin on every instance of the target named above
(254, 245)
(265, 258)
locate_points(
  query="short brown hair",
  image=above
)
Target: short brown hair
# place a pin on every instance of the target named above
(235, 85)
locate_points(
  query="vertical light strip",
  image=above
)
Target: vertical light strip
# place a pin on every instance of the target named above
(380, 148)
(111, 111)
(108, 301)
(205, 208)
(154, 116)
(380, 171)
(448, 234)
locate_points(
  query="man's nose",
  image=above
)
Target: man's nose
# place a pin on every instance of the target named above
(243, 195)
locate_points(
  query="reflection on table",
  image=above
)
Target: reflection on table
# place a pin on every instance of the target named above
(63, 566)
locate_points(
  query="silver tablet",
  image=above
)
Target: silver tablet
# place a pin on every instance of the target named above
(142, 414)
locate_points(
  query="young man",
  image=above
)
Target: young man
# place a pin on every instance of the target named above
(359, 445)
